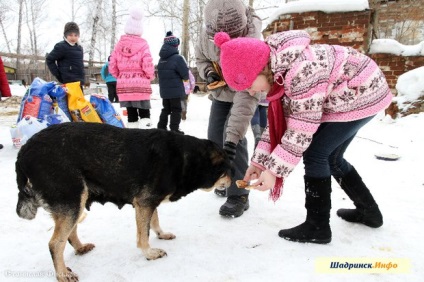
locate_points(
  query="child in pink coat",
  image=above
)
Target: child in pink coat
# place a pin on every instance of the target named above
(320, 96)
(132, 65)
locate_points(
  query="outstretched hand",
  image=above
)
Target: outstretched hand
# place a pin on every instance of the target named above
(252, 173)
(265, 179)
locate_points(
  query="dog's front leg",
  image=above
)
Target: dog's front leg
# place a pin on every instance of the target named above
(80, 248)
(62, 229)
(143, 216)
(154, 224)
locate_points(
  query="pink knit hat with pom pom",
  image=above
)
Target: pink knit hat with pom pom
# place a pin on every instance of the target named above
(134, 25)
(242, 59)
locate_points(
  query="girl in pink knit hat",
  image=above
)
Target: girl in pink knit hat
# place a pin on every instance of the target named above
(320, 96)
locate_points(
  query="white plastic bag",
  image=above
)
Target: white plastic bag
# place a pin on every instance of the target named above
(16, 136)
(25, 129)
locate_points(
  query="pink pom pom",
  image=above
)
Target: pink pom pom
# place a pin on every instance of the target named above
(136, 13)
(220, 38)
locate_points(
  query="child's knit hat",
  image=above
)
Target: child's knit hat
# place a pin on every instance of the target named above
(134, 25)
(170, 39)
(226, 16)
(71, 27)
(242, 59)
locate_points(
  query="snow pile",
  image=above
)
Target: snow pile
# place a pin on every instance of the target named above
(391, 46)
(17, 90)
(410, 87)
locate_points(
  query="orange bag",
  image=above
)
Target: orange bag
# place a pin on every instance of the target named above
(79, 107)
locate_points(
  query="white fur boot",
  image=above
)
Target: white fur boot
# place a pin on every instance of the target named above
(132, 124)
(145, 123)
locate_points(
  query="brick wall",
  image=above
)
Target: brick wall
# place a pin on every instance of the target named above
(344, 28)
(393, 66)
(347, 29)
(402, 20)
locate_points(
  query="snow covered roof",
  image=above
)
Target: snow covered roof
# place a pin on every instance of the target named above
(327, 6)
(392, 46)
(389, 46)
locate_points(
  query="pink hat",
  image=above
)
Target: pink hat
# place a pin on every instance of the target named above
(242, 59)
(134, 24)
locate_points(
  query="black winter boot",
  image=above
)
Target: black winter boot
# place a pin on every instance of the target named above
(366, 211)
(316, 228)
(163, 120)
(235, 206)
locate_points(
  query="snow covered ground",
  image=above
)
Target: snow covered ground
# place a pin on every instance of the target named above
(211, 248)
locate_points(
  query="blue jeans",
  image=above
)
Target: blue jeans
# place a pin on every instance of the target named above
(260, 116)
(324, 156)
(218, 117)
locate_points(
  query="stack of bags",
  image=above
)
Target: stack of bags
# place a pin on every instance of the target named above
(46, 103)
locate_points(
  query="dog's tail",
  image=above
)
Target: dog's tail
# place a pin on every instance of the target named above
(27, 204)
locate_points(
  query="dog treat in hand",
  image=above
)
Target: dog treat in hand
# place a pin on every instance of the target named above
(216, 84)
(244, 184)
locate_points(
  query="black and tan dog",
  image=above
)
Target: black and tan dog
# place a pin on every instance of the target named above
(66, 167)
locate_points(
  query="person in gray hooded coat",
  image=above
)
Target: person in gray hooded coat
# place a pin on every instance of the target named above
(231, 110)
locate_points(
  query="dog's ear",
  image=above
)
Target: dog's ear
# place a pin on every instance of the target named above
(217, 157)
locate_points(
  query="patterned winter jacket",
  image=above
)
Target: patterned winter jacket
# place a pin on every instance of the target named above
(322, 83)
(244, 105)
(132, 65)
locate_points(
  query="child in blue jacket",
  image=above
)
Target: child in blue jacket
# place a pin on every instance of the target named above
(110, 82)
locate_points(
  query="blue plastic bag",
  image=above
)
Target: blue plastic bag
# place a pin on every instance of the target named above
(106, 111)
(35, 106)
(57, 116)
(40, 87)
(59, 95)
(36, 101)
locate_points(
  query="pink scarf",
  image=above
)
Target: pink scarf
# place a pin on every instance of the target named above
(277, 127)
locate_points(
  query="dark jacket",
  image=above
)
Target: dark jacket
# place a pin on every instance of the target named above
(172, 70)
(65, 62)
